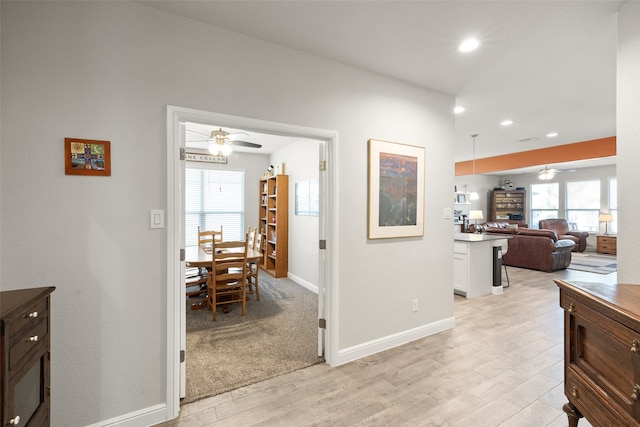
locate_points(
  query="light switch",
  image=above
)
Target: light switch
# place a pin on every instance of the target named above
(447, 213)
(157, 218)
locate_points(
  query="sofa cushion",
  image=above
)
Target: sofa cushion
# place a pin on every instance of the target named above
(500, 230)
(542, 233)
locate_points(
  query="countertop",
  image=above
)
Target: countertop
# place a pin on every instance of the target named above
(473, 237)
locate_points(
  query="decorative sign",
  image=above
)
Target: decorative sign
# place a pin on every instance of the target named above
(207, 158)
(87, 157)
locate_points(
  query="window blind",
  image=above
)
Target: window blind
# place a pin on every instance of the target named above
(214, 198)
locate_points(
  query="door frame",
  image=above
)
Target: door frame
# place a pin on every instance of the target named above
(327, 294)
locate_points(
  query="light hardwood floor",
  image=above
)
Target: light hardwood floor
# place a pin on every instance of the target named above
(502, 365)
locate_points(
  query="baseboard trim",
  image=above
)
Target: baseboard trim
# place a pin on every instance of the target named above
(142, 418)
(300, 281)
(385, 343)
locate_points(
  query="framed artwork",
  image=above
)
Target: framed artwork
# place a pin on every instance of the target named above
(396, 190)
(461, 198)
(87, 157)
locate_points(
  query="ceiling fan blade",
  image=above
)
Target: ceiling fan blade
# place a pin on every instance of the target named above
(199, 133)
(246, 144)
(237, 135)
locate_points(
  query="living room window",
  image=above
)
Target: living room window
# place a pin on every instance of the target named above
(214, 198)
(545, 202)
(613, 205)
(583, 205)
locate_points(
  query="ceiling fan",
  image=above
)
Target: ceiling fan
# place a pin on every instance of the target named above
(221, 142)
(546, 174)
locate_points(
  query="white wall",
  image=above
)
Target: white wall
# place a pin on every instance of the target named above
(301, 161)
(108, 70)
(628, 142)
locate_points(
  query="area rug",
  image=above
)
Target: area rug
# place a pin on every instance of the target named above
(279, 334)
(593, 263)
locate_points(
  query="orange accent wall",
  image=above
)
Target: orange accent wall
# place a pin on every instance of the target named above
(593, 149)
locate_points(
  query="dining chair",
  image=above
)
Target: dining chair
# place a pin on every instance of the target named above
(228, 275)
(252, 271)
(207, 237)
(195, 282)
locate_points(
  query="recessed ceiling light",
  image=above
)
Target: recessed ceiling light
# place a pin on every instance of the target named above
(468, 45)
(552, 134)
(506, 122)
(458, 110)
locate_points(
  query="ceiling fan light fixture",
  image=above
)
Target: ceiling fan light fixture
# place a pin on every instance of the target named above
(214, 149)
(546, 174)
(469, 45)
(225, 150)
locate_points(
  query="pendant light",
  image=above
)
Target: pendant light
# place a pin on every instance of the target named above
(474, 194)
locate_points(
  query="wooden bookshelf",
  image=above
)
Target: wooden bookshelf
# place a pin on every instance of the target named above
(274, 224)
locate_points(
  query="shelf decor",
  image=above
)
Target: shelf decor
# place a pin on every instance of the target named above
(87, 157)
(396, 190)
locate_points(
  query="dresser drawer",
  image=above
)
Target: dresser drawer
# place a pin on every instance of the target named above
(29, 317)
(27, 342)
(587, 398)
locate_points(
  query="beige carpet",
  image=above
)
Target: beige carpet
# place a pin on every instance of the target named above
(278, 335)
(593, 262)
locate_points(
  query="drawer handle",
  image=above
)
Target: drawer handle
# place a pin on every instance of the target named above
(574, 392)
(636, 391)
(33, 339)
(14, 421)
(572, 308)
(33, 314)
(635, 346)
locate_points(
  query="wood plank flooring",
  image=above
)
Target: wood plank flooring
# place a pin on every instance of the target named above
(500, 366)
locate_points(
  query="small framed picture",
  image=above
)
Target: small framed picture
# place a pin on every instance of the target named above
(87, 157)
(461, 198)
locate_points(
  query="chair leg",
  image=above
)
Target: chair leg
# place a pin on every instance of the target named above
(257, 288)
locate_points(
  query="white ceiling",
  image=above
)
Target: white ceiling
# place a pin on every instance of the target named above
(546, 65)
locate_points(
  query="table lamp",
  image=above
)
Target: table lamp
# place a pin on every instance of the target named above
(606, 218)
(476, 215)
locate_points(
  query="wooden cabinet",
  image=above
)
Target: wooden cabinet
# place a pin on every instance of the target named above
(508, 206)
(607, 244)
(25, 357)
(601, 352)
(274, 224)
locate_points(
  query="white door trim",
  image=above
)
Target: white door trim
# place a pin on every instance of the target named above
(328, 271)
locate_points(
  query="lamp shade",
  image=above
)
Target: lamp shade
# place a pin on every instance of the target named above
(606, 217)
(475, 215)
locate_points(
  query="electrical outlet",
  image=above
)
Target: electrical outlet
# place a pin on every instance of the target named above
(414, 306)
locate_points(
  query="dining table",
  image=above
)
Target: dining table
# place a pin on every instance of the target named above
(201, 256)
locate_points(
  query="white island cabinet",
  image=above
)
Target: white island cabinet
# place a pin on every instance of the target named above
(473, 263)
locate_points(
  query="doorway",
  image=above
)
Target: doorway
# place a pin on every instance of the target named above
(176, 117)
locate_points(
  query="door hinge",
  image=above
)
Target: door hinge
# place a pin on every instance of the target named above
(323, 165)
(181, 356)
(182, 254)
(183, 154)
(322, 323)
(323, 244)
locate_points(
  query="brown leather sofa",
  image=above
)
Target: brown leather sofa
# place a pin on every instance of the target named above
(561, 227)
(534, 249)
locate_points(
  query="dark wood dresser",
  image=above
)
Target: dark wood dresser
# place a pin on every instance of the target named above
(25, 357)
(601, 352)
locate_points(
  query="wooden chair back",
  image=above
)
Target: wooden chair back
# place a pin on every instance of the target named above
(228, 275)
(258, 241)
(251, 238)
(207, 237)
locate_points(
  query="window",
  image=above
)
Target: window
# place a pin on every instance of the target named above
(545, 202)
(214, 198)
(583, 205)
(613, 205)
